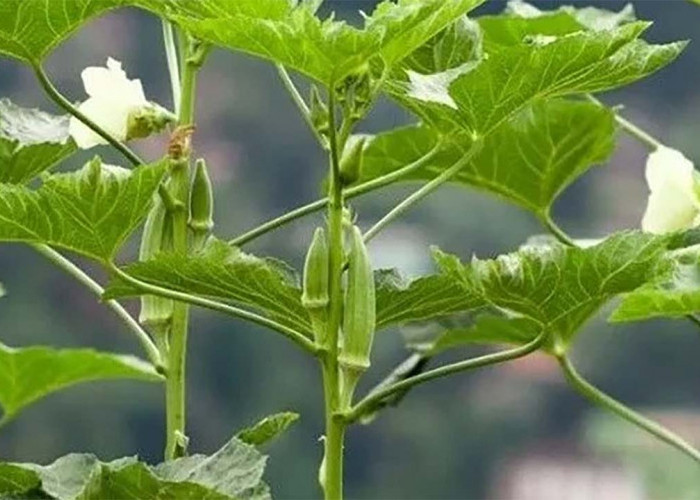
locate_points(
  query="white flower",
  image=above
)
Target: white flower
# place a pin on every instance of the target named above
(113, 97)
(673, 203)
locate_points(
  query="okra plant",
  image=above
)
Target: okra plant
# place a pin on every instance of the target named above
(503, 103)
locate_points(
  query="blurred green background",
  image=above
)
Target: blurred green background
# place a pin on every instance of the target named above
(491, 434)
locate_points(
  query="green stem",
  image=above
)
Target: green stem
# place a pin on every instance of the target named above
(171, 55)
(180, 189)
(556, 231)
(62, 262)
(650, 141)
(298, 338)
(331, 474)
(598, 397)
(352, 192)
(375, 398)
(58, 98)
(421, 193)
(300, 103)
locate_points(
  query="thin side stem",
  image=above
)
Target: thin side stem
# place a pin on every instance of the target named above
(331, 473)
(643, 136)
(599, 398)
(170, 46)
(298, 338)
(69, 267)
(318, 205)
(421, 193)
(556, 231)
(375, 398)
(59, 99)
(300, 103)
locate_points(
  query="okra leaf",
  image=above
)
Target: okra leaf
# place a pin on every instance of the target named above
(233, 472)
(478, 98)
(31, 142)
(561, 287)
(29, 374)
(91, 211)
(674, 294)
(31, 29)
(524, 22)
(225, 273)
(529, 160)
(488, 329)
(267, 429)
(325, 50)
(400, 302)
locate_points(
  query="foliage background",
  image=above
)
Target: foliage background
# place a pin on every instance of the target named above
(449, 439)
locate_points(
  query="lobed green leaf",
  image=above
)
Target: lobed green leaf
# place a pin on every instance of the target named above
(31, 29)
(29, 374)
(226, 273)
(92, 211)
(292, 35)
(479, 99)
(674, 294)
(233, 472)
(529, 160)
(31, 142)
(426, 298)
(561, 287)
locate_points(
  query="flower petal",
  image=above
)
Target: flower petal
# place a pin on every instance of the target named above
(111, 116)
(668, 167)
(669, 211)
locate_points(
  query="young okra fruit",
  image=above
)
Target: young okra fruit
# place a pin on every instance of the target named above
(201, 205)
(359, 316)
(315, 297)
(156, 312)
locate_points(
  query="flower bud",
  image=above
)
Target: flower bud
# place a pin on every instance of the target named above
(201, 204)
(318, 112)
(351, 161)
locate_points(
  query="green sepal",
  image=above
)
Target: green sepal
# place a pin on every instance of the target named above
(148, 120)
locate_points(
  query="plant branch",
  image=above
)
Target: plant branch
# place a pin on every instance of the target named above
(298, 338)
(171, 55)
(650, 141)
(598, 397)
(59, 99)
(556, 231)
(300, 103)
(352, 192)
(80, 275)
(424, 191)
(375, 398)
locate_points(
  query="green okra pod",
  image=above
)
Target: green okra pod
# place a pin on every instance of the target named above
(201, 204)
(315, 297)
(156, 312)
(359, 317)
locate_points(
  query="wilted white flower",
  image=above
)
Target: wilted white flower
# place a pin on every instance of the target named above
(673, 203)
(113, 97)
